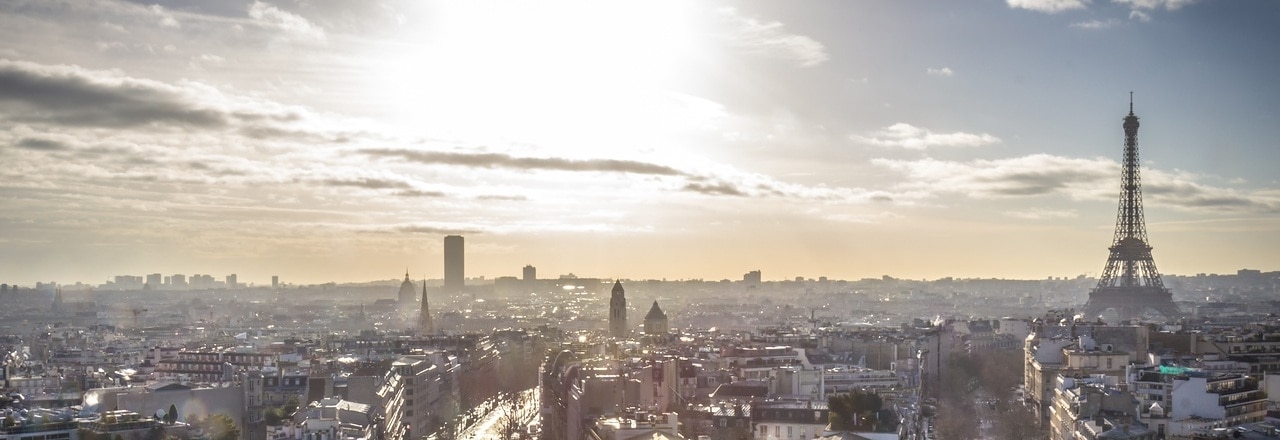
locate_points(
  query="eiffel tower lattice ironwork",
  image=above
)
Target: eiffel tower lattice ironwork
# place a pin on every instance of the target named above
(1130, 284)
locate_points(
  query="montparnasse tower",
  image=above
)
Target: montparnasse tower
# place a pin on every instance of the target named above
(618, 311)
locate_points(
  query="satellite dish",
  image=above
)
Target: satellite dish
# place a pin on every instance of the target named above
(160, 413)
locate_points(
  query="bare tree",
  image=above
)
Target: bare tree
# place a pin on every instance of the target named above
(956, 420)
(448, 430)
(516, 415)
(1018, 422)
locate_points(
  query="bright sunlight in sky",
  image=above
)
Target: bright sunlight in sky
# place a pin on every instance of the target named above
(326, 140)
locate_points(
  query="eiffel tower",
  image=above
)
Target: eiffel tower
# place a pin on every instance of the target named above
(1130, 284)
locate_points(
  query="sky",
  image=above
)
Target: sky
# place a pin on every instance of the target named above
(327, 140)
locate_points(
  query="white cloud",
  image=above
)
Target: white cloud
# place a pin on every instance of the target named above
(1048, 6)
(907, 136)
(1095, 24)
(166, 19)
(295, 25)
(1140, 16)
(769, 39)
(1170, 5)
(1042, 213)
(945, 71)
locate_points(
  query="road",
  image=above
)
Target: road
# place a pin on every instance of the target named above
(488, 427)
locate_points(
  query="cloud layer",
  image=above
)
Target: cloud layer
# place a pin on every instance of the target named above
(1044, 175)
(904, 135)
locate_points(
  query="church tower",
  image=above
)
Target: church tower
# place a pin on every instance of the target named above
(618, 311)
(655, 323)
(426, 327)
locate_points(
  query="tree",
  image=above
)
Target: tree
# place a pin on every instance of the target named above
(223, 427)
(854, 411)
(447, 430)
(515, 415)
(1013, 424)
(216, 426)
(956, 421)
(171, 416)
(273, 416)
(291, 406)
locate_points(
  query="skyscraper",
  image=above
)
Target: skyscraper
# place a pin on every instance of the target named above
(454, 274)
(530, 277)
(618, 311)
(1130, 283)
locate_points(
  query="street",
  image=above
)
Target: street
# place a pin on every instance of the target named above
(490, 425)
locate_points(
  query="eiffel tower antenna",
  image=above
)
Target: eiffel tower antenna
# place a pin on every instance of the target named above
(1130, 283)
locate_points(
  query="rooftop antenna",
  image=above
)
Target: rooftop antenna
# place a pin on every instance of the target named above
(1130, 102)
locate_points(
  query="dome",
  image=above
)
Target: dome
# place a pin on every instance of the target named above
(407, 289)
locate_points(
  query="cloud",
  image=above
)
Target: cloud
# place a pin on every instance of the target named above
(903, 135)
(1042, 213)
(42, 144)
(770, 40)
(945, 71)
(166, 18)
(1040, 175)
(74, 96)
(1140, 16)
(1034, 175)
(1095, 24)
(516, 198)
(1182, 189)
(498, 160)
(1048, 6)
(367, 183)
(424, 228)
(717, 189)
(294, 25)
(420, 193)
(1170, 5)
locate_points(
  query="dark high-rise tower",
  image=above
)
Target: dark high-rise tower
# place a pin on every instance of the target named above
(618, 311)
(453, 264)
(1130, 283)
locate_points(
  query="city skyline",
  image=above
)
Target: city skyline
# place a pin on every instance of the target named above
(330, 142)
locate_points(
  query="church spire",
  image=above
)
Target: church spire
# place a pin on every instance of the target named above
(426, 326)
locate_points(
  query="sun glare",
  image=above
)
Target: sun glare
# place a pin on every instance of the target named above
(559, 75)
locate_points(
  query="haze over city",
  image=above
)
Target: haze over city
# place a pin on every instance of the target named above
(333, 141)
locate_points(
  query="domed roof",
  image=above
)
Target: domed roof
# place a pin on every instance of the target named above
(655, 312)
(406, 288)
